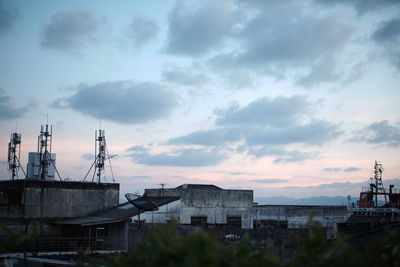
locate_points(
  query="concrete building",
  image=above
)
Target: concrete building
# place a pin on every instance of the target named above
(298, 216)
(63, 217)
(40, 208)
(203, 204)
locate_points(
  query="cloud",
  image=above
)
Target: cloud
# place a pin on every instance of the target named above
(7, 109)
(142, 30)
(184, 76)
(180, 158)
(295, 156)
(282, 155)
(122, 101)
(286, 40)
(7, 17)
(314, 133)
(349, 169)
(379, 133)
(71, 30)
(137, 149)
(387, 35)
(88, 156)
(264, 128)
(363, 6)
(213, 137)
(279, 111)
(332, 169)
(197, 31)
(275, 121)
(270, 181)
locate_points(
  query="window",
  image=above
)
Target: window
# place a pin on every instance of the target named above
(13, 197)
(198, 220)
(234, 220)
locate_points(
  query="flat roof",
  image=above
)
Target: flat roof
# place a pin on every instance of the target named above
(29, 183)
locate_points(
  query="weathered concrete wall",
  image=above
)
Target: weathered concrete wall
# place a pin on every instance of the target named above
(53, 199)
(207, 201)
(158, 192)
(217, 198)
(299, 216)
(163, 214)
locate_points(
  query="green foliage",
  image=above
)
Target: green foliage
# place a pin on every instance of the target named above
(14, 240)
(164, 248)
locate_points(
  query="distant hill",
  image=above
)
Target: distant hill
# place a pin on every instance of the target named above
(321, 200)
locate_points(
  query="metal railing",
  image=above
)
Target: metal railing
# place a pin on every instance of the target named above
(387, 190)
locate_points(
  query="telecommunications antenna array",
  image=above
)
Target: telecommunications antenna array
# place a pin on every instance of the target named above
(14, 153)
(44, 145)
(102, 155)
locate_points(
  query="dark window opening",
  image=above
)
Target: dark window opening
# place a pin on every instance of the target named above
(234, 220)
(13, 197)
(270, 224)
(100, 232)
(198, 220)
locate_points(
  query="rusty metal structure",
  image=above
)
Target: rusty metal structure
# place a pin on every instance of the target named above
(370, 196)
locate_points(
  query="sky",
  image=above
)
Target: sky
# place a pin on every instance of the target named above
(287, 98)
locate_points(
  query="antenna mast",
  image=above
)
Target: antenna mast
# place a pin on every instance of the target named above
(14, 152)
(100, 151)
(44, 149)
(378, 170)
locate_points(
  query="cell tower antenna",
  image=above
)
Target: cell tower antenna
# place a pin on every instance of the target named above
(101, 156)
(14, 154)
(45, 141)
(380, 189)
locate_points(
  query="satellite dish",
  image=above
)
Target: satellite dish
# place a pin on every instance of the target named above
(141, 203)
(131, 197)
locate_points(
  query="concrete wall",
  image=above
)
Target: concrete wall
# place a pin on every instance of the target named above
(299, 216)
(163, 214)
(53, 199)
(206, 201)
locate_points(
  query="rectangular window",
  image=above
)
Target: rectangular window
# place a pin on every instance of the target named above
(234, 220)
(13, 197)
(198, 220)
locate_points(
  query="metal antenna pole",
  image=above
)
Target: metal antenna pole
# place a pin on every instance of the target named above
(14, 153)
(109, 161)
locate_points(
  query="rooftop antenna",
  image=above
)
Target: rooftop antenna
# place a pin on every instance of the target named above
(45, 141)
(101, 152)
(378, 170)
(14, 154)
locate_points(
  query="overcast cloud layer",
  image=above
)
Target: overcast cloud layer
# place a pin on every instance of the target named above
(253, 94)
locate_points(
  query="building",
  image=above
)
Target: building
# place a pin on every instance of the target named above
(63, 217)
(299, 216)
(203, 204)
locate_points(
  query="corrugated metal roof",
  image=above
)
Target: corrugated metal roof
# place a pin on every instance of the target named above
(118, 213)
